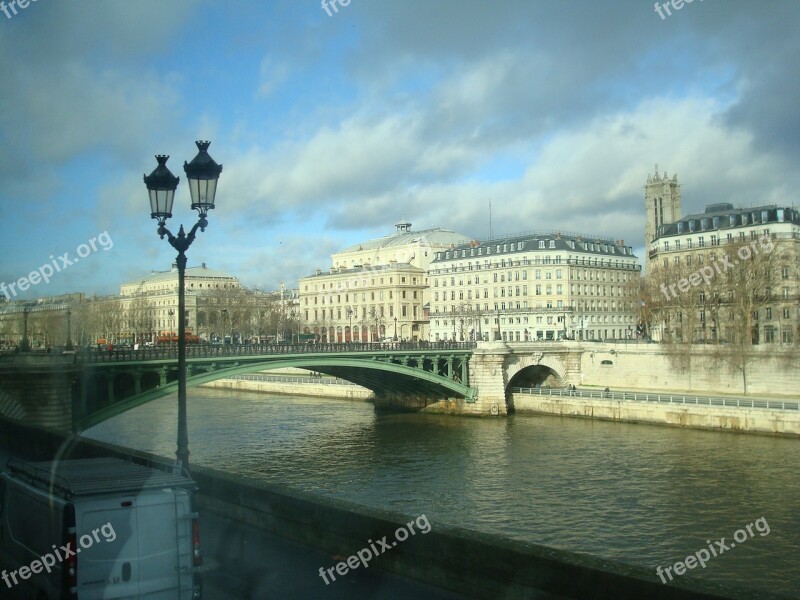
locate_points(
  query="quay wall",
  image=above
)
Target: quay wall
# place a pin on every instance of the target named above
(648, 367)
(319, 390)
(755, 420)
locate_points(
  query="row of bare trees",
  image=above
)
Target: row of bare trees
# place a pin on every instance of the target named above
(731, 307)
(236, 313)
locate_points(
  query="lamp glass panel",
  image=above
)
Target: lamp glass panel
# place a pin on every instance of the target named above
(161, 201)
(203, 192)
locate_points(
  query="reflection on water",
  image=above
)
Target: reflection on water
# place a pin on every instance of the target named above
(635, 493)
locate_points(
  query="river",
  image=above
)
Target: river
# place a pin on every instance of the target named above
(640, 494)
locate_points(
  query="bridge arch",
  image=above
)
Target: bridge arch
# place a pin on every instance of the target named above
(536, 369)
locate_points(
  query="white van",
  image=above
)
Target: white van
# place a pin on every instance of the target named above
(97, 528)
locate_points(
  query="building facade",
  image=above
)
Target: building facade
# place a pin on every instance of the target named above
(534, 286)
(375, 290)
(707, 265)
(149, 307)
(47, 321)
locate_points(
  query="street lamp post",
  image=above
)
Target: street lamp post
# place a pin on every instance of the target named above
(25, 345)
(68, 345)
(497, 334)
(224, 318)
(395, 329)
(350, 317)
(202, 174)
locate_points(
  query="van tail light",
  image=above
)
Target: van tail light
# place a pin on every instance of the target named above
(70, 564)
(197, 557)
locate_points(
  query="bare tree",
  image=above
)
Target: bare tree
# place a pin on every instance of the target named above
(745, 286)
(676, 298)
(139, 318)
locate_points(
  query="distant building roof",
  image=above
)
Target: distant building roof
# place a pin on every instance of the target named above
(541, 241)
(172, 275)
(724, 216)
(390, 267)
(404, 236)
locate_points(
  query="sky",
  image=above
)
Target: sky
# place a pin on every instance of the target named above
(333, 127)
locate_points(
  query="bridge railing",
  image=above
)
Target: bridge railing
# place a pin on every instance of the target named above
(205, 351)
(664, 398)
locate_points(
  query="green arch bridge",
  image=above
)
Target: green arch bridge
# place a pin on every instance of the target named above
(105, 384)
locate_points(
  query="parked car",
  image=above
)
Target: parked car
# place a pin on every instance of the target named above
(106, 528)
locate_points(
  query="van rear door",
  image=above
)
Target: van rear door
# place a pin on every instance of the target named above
(144, 553)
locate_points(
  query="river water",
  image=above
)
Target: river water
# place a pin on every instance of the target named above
(640, 494)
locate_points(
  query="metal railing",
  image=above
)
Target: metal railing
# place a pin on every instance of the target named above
(206, 351)
(663, 398)
(301, 379)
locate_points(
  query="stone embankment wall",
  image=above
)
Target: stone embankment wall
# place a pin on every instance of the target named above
(757, 420)
(318, 390)
(648, 367)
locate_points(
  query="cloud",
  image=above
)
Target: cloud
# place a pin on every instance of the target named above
(330, 130)
(273, 75)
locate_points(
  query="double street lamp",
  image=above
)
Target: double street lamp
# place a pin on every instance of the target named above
(202, 174)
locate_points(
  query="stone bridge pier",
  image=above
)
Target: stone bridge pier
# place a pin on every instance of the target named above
(37, 389)
(495, 365)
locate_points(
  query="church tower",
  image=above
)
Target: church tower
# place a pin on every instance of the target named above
(662, 202)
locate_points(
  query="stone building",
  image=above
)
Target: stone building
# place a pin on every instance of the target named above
(662, 201)
(704, 265)
(375, 290)
(534, 286)
(150, 305)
